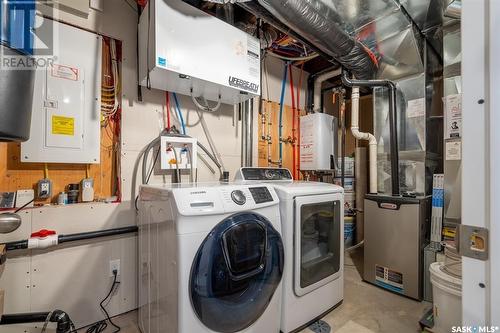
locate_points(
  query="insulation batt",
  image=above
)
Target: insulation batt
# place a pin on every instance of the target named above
(321, 26)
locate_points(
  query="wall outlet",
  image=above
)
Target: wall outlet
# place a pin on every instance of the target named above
(44, 188)
(114, 264)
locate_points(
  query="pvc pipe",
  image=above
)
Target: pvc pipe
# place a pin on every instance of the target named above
(166, 115)
(50, 241)
(318, 82)
(372, 142)
(393, 121)
(181, 118)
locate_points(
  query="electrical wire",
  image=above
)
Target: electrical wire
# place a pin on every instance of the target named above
(206, 107)
(153, 166)
(100, 326)
(46, 171)
(287, 58)
(109, 94)
(23, 206)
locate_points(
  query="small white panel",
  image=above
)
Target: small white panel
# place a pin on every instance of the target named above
(65, 123)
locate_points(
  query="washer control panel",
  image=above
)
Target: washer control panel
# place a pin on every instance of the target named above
(261, 194)
(239, 197)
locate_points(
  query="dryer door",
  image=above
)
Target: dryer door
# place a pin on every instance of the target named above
(319, 241)
(236, 272)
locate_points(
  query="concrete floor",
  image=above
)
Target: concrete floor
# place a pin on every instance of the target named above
(366, 308)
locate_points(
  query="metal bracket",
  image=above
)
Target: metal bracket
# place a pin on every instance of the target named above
(472, 242)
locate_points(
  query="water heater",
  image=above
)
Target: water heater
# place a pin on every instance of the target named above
(187, 51)
(318, 142)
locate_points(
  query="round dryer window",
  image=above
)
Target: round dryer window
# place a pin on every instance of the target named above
(236, 272)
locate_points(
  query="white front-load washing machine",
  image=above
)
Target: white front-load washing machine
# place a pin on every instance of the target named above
(210, 259)
(312, 224)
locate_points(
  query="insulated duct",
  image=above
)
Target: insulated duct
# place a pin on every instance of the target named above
(320, 25)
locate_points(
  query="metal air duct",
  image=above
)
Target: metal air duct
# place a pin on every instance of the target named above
(320, 25)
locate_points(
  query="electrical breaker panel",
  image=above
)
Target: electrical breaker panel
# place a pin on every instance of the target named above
(65, 123)
(177, 153)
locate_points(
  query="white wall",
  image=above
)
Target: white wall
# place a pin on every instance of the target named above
(274, 78)
(75, 278)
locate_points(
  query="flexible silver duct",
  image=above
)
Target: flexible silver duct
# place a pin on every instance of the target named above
(320, 25)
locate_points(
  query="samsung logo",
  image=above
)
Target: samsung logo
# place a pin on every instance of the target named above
(198, 192)
(242, 84)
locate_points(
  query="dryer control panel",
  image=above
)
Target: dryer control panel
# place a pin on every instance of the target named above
(263, 174)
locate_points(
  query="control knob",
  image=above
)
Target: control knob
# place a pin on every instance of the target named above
(238, 197)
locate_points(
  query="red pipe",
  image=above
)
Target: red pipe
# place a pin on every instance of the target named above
(294, 152)
(299, 88)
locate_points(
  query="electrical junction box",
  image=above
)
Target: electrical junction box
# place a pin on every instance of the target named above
(318, 142)
(176, 152)
(65, 122)
(190, 49)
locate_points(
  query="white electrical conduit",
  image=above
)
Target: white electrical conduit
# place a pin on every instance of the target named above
(318, 83)
(372, 142)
